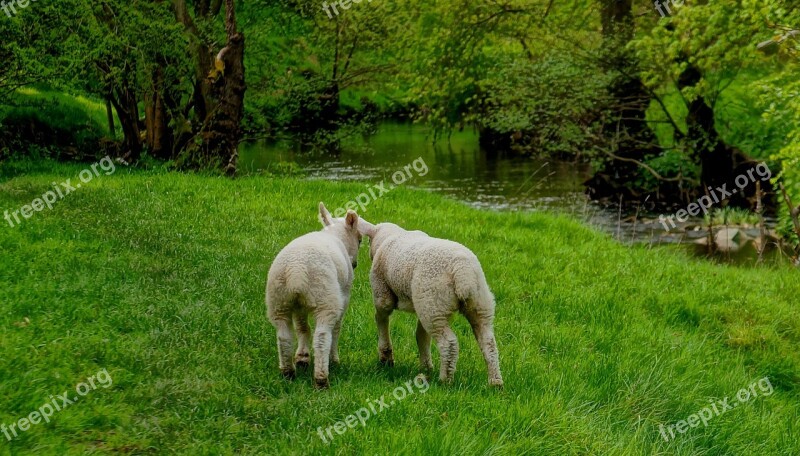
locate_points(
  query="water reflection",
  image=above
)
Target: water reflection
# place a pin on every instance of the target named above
(495, 181)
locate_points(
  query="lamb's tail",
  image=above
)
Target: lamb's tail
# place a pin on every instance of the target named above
(471, 289)
(296, 281)
(287, 291)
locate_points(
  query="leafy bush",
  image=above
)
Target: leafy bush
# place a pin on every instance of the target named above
(781, 96)
(671, 163)
(549, 104)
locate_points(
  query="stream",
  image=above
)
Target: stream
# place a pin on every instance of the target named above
(463, 171)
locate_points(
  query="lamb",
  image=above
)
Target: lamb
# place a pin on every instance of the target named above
(313, 274)
(433, 278)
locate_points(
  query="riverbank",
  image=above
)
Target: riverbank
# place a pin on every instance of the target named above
(463, 170)
(159, 278)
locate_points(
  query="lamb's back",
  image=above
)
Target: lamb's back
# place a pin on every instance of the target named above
(311, 258)
(416, 255)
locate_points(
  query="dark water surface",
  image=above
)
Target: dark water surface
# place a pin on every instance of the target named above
(463, 171)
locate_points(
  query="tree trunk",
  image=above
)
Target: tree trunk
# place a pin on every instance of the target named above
(110, 116)
(716, 162)
(205, 10)
(635, 139)
(719, 162)
(221, 96)
(629, 134)
(159, 136)
(228, 91)
(202, 87)
(128, 114)
(616, 17)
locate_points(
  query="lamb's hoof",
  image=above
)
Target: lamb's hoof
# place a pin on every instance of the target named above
(387, 358)
(288, 374)
(321, 383)
(301, 364)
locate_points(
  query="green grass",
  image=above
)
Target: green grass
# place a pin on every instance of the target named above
(58, 107)
(159, 278)
(58, 120)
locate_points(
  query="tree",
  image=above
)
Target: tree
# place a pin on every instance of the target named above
(698, 67)
(218, 94)
(632, 140)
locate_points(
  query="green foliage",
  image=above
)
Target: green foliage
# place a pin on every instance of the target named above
(520, 95)
(730, 216)
(467, 41)
(661, 118)
(779, 96)
(739, 114)
(671, 163)
(789, 156)
(34, 46)
(533, 70)
(754, 93)
(300, 62)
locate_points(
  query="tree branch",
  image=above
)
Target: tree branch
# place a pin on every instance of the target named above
(794, 212)
(655, 173)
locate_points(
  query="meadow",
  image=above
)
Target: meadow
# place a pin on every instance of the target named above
(158, 277)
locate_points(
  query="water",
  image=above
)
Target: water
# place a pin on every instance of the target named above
(463, 171)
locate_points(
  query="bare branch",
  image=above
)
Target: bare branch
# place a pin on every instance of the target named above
(655, 173)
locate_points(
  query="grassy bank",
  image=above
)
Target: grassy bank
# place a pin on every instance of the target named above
(159, 278)
(44, 122)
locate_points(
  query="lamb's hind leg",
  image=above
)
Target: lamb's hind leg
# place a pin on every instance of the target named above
(483, 329)
(434, 310)
(285, 341)
(424, 346)
(323, 338)
(437, 324)
(337, 328)
(447, 344)
(385, 350)
(385, 303)
(302, 357)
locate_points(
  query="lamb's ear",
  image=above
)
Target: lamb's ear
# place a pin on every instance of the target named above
(366, 228)
(351, 219)
(324, 215)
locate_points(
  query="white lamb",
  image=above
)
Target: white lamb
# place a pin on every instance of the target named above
(313, 275)
(433, 278)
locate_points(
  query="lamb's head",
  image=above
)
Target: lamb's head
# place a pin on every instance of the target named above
(377, 234)
(345, 229)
